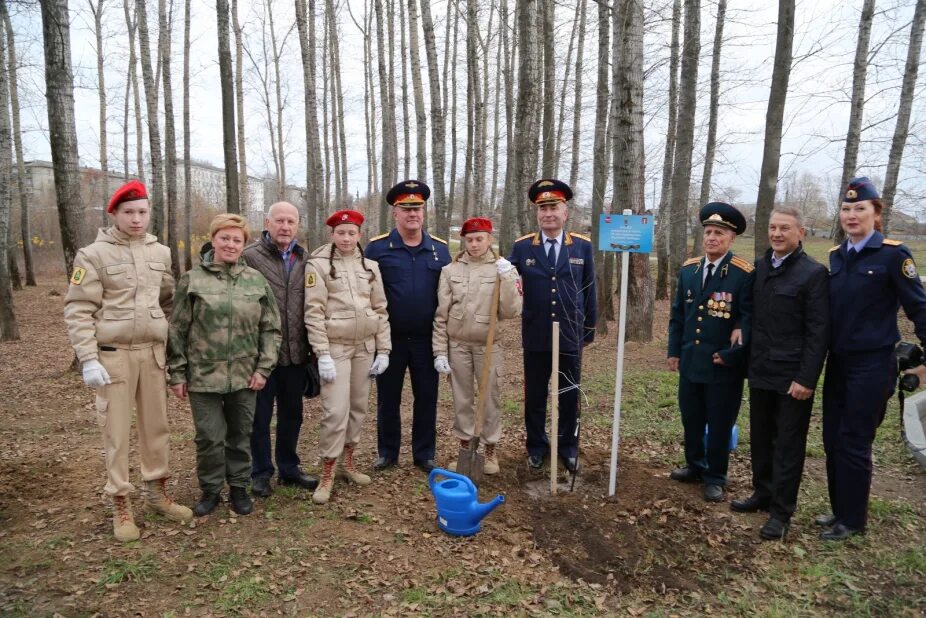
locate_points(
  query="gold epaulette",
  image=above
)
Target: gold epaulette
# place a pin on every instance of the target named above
(380, 237)
(834, 248)
(582, 236)
(691, 261)
(440, 240)
(891, 242)
(742, 264)
(525, 236)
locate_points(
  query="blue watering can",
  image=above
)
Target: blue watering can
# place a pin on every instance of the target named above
(459, 511)
(734, 437)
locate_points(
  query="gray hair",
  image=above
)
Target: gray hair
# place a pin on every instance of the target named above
(790, 211)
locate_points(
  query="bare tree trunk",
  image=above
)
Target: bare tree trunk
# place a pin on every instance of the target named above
(438, 122)
(480, 134)
(665, 198)
(774, 118)
(324, 128)
(277, 49)
(500, 49)
(600, 153)
(709, 153)
(338, 95)
(549, 89)
(187, 166)
(335, 141)
(421, 117)
(453, 5)
(406, 119)
(243, 188)
(9, 330)
(24, 226)
(227, 84)
(306, 27)
(97, 11)
(474, 112)
(856, 111)
(390, 149)
(684, 145)
(577, 103)
(902, 127)
(165, 31)
(59, 94)
(155, 194)
(132, 27)
(561, 118)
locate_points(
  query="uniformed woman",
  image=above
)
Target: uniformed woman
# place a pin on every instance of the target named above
(870, 278)
(223, 343)
(461, 326)
(345, 314)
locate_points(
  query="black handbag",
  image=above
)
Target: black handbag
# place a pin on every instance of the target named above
(313, 381)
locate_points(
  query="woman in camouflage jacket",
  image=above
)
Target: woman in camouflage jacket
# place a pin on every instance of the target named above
(223, 342)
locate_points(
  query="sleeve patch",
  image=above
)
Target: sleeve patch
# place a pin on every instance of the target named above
(909, 269)
(310, 280)
(79, 273)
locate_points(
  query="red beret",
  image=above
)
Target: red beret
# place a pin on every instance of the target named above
(345, 216)
(129, 192)
(476, 224)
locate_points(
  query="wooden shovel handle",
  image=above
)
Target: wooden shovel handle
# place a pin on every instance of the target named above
(487, 360)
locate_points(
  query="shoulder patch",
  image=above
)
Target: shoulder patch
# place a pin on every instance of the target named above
(310, 280)
(78, 276)
(891, 242)
(742, 264)
(526, 236)
(380, 237)
(908, 268)
(438, 239)
(834, 248)
(582, 236)
(691, 261)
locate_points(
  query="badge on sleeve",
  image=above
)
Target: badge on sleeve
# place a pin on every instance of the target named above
(310, 280)
(78, 276)
(909, 268)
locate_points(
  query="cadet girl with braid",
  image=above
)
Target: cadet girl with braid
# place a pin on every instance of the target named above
(348, 328)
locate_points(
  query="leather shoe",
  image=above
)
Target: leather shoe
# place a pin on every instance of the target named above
(571, 464)
(206, 504)
(425, 465)
(713, 493)
(301, 479)
(535, 461)
(382, 463)
(773, 529)
(260, 486)
(685, 475)
(239, 501)
(750, 505)
(841, 532)
(826, 521)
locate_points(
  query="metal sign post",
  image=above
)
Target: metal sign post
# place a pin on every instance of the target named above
(625, 233)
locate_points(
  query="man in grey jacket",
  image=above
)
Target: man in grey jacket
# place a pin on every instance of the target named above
(281, 261)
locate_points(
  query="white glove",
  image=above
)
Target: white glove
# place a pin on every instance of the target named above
(442, 364)
(380, 364)
(326, 370)
(95, 374)
(503, 265)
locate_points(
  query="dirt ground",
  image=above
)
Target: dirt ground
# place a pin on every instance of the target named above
(656, 548)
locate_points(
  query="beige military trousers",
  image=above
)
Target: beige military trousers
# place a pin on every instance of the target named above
(139, 384)
(345, 401)
(466, 360)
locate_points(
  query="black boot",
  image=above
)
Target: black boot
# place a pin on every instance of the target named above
(239, 501)
(206, 504)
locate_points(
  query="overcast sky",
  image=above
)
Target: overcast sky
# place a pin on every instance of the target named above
(816, 113)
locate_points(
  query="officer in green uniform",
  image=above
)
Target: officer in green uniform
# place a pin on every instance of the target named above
(708, 332)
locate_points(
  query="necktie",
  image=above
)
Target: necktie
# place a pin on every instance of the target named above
(710, 273)
(852, 252)
(551, 253)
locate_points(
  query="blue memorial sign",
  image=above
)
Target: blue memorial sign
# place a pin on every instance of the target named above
(630, 233)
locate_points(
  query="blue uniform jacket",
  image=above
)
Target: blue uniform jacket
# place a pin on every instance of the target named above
(565, 293)
(702, 320)
(410, 277)
(866, 291)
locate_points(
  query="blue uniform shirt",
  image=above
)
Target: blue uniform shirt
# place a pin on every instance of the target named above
(564, 292)
(410, 277)
(866, 291)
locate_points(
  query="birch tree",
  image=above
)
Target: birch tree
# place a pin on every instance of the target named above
(243, 188)
(421, 117)
(9, 330)
(305, 24)
(438, 125)
(97, 11)
(390, 148)
(187, 167)
(600, 155)
(227, 87)
(155, 192)
(663, 219)
(577, 103)
(132, 28)
(170, 137)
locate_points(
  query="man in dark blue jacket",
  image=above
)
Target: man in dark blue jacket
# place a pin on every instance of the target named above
(558, 277)
(410, 261)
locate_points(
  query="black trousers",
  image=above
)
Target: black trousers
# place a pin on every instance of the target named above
(416, 355)
(716, 405)
(778, 426)
(285, 386)
(537, 369)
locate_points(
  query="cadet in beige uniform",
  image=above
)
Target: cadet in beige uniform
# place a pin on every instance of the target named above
(348, 328)
(461, 326)
(115, 310)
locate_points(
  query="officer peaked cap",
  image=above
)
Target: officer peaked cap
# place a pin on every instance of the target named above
(723, 215)
(408, 194)
(549, 191)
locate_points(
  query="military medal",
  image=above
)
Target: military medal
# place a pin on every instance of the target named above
(726, 315)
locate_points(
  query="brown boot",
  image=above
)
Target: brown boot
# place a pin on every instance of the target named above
(124, 527)
(349, 470)
(491, 460)
(453, 464)
(157, 499)
(326, 483)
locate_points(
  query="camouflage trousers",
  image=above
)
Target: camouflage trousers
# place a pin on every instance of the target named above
(223, 438)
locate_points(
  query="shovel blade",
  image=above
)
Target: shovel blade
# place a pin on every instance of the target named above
(470, 463)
